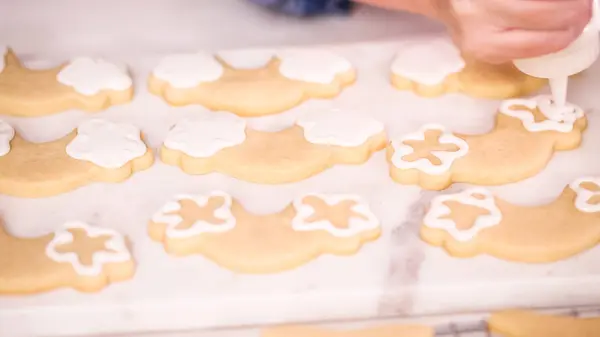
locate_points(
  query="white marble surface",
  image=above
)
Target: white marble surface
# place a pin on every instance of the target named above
(396, 275)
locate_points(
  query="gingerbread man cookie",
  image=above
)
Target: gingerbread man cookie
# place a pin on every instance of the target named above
(526, 134)
(520, 323)
(382, 331)
(78, 256)
(475, 222)
(435, 67)
(219, 228)
(83, 83)
(253, 82)
(98, 150)
(221, 142)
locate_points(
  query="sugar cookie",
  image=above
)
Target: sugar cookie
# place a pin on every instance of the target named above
(475, 222)
(253, 82)
(526, 134)
(520, 323)
(219, 228)
(221, 142)
(78, 256)
(83, 83)
(435, 66)
(382, 331)
(98, 150)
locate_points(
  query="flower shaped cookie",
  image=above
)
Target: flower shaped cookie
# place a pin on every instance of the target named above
(114, 250)
(88, 76)
(106, 144)
(440, 214)
(188, 70)
(561, 119)
(340, 215)
(341, 129)
(315, 66)
(588, 194)
(202, 215)
(204, 136)
(436, 159)
(7, 133)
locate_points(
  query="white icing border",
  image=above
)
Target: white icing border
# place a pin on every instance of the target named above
(200, 226)
(355, 225)
(339, 129)
(99, 259)
(185, 71)
(447, 158)
(561, 119)
(312, 65)
(438, 209)
(583, 195)
(7, 133)
(89, 76)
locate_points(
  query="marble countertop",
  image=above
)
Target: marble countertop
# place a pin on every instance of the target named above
(397, 275)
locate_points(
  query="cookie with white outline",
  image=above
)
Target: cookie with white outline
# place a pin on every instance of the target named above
(221, 142)
(475, 222)
(98, 151)
(526, 134)
(218, 227)
(380, 331)
(251, 82)
(433, 67)
(82, 83)
(521, 323)
(78, 256)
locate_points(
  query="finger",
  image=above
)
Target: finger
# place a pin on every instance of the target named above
(504, 46)
(538, 14)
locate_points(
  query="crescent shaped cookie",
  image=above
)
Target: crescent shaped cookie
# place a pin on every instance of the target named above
(253, 82)
(382, 331)
(475, 222)
(83, 83)
(526, 135)
(520, 323)
(221, 142)
(77, 255)
(435, 67)
(98, 151)
(218, 227)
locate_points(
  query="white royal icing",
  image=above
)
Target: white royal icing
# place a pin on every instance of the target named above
(446, 158)
(204, 136)
(89, 76)
(7, 133)
(106, 144)
(561, 119)
(584, 195)
(428, 62)
(188, 70)
(433, 218)
(355, 225)
(315, 66)
(341, 129)
(3, 51)
(247, 59)
(200, 226)
(116, 249)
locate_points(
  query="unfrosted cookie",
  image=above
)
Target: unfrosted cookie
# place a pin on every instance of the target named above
(526, 134)
(520, 323)
(98, 150)
(83, 83)
(382, 331)
(475, 222)
(77, 255)
(253, 82)
(432, 67)
(219, 228)
(221, 142)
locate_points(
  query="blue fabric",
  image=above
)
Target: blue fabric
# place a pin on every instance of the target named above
(307, 7)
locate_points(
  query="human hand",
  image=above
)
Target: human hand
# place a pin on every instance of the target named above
(498, 31)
